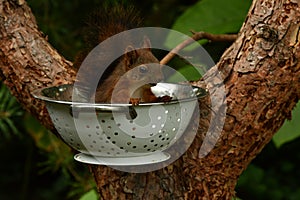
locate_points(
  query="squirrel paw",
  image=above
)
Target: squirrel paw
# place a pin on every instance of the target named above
(135, 101)
(164, 99)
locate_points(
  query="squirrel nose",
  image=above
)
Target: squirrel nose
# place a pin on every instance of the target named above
(156, 80)
(159, 78)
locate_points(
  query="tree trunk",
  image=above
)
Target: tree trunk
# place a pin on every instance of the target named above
(261, 73)
(28, 61)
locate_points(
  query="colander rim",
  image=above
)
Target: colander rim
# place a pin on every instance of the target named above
(38, 94)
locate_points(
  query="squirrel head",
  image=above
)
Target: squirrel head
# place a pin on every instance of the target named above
(137, 70)
(141, 66)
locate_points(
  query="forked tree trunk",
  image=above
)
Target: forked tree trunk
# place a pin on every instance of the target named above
(261, 73)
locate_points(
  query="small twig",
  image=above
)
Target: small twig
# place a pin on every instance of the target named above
(198, 36)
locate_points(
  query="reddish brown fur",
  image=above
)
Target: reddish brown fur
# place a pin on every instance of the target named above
(102, 25)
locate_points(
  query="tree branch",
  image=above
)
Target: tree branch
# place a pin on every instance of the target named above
(198, 36)
(28, 62)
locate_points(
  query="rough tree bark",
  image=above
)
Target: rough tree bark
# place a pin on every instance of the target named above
(261, 73)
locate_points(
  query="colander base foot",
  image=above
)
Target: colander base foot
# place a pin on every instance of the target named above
(123, 161)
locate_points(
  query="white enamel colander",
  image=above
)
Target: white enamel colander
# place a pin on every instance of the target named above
(106, 134)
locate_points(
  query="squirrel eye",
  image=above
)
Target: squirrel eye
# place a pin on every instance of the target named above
(143, 69)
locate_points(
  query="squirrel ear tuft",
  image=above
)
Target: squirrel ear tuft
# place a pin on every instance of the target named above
(130, 56)
(146, 43)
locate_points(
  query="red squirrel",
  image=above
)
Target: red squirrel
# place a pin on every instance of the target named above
(127, 79)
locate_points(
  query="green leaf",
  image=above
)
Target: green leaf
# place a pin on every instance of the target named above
(12, 126)
(10, 113)
(185, 73)
(236, 198)
(91, 195)
(213, 16)
(4, 129)
(290, 129)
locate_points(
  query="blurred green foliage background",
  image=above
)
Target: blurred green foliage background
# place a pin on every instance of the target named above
(37, 165)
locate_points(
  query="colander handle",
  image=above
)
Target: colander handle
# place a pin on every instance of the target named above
(86, 108)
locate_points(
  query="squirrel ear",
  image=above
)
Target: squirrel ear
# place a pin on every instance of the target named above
(130, 56)
(146, 43)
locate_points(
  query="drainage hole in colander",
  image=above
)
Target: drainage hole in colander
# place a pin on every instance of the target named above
(109, 127)
(133, 136)
(131, 121)
(161, 145)
(118, 124)
(112, 149)
(112, 118)
(134, 147)
(128, 143)
(78, 144)
(72, 140)
(114, 142)
(91, 146)
(145, 146)
(173, 129)
(152, 141)
(90, 135)
(102, 147)
(166, 111)
(159, 117)
(116, 133)
(99, 150)
(94, 142)
(108, 137)
(106, 141)
(160, 136)
(178, 119)
(184, 110)
(155, 145)
(162, 139)
(97, 133)
(97, 127)
(108, 153)
(151, 134)
(133, 128)
(101, 138)
(153, 126)
(87, 126)
(121, 147)
(103, 121)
